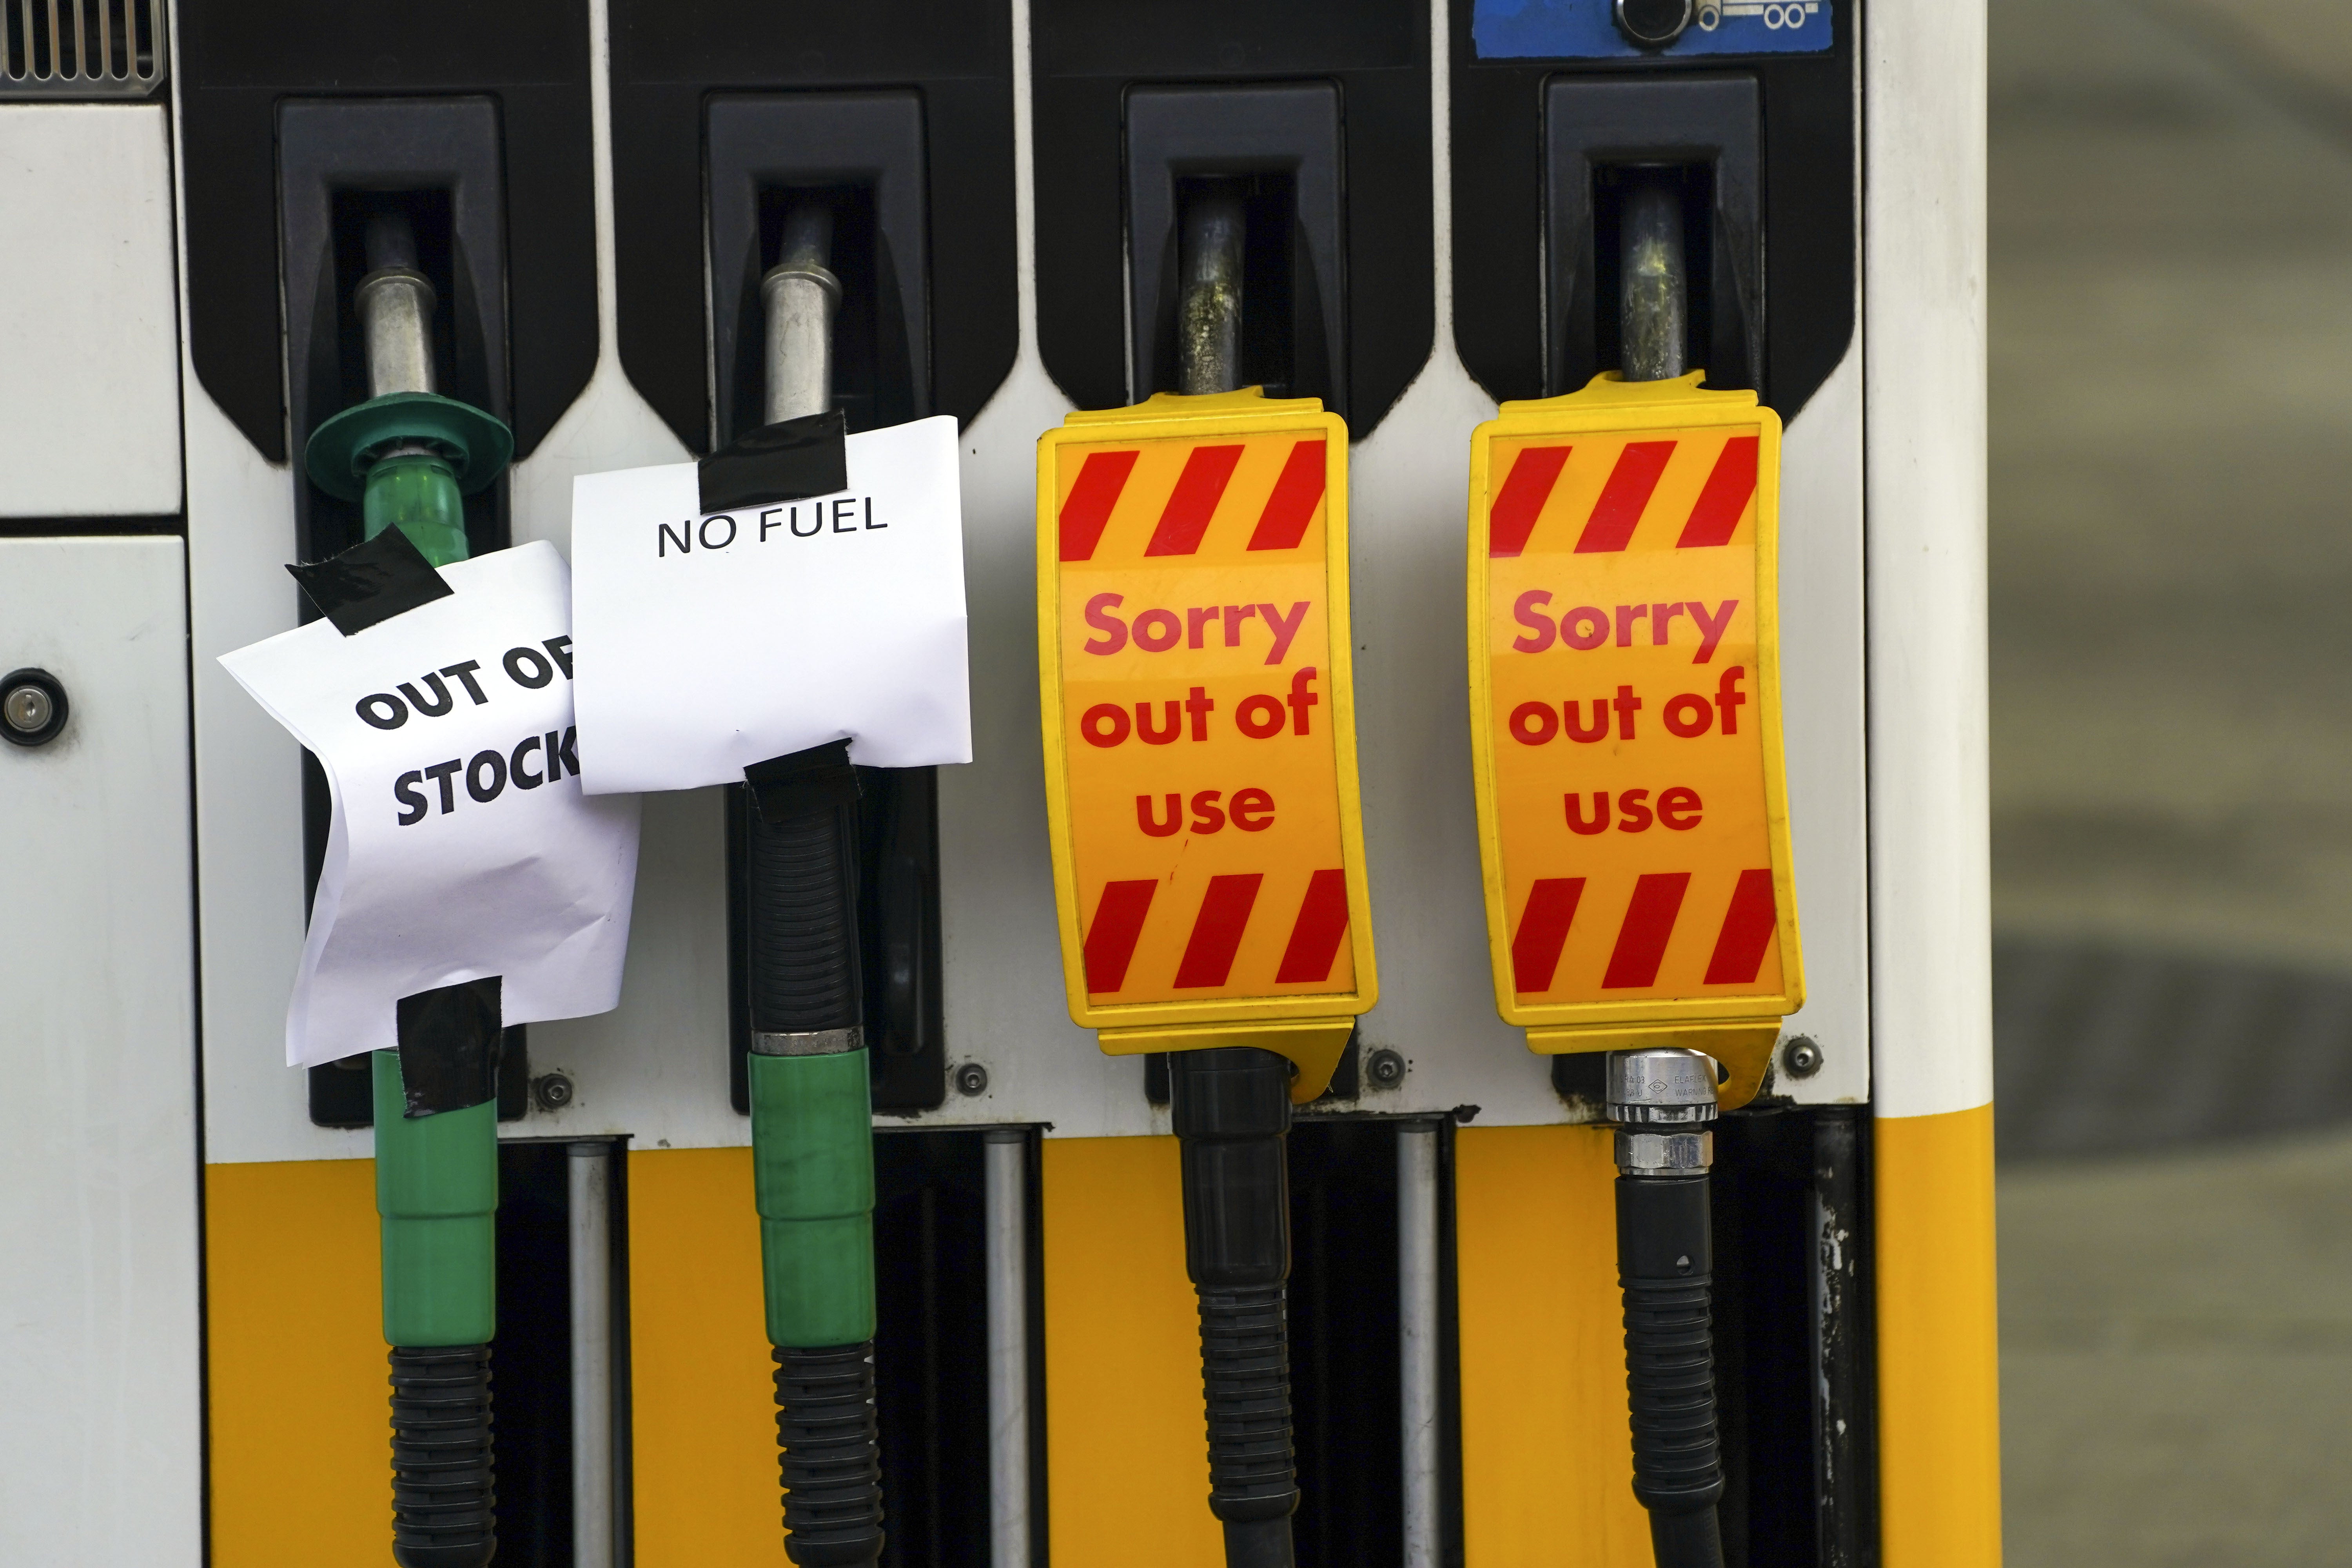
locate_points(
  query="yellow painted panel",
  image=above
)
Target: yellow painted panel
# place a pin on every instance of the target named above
(1547, 1453)
(300, 1426)
(703, 1386)
(1126, 1440)
(1938, 1342)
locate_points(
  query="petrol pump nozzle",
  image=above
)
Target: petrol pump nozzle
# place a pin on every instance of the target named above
(1662, 1102)
(812, 1116)
(1231, 1105)
(407, 454)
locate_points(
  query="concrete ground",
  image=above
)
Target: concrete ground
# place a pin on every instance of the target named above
(2172, 212)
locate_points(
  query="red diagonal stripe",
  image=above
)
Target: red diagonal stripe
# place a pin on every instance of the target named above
(1101, 479)
(1322, 921)
(1524, 490)
(1110, 942)
(1649, 922)
(1623, 498)
(1748, 928)
(1543, 931)
(1193, 501)
(1292, 505)
(1217, 931)
(1724, 500)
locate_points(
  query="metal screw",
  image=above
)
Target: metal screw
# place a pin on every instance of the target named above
(32, 707)
(553, 1090)
(971, 1078)
(1385, 1068)
(1800, 1056)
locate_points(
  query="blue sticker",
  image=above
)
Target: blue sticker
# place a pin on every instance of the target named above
(1582, 30)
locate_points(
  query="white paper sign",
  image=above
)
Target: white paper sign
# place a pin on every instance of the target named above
(709, 643)
(462, 845)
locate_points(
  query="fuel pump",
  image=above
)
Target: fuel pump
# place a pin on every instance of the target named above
(812, 1147)
(408, 454)
(1210, 493)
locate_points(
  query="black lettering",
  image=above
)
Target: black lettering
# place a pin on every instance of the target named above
(817, 522)
(567, 752)
(869, 515)
(724, 544)
(403, 790)
(522, 779)
(465, 672)
(683, 539)
(439, 690)
(443, 773)
(765, 524)
(394, 711)
(561, 648)
(847, 505)
(486, 793)
(529, 668)
(554, 755)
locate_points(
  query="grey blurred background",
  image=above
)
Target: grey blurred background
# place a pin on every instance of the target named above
(2171, 342)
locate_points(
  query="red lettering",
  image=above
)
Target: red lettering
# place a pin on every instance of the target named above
(1253, 810)
(1576, 818)
(1532, 723)
(1633, 815)
(1678, 809)
(1577, 730)
(1200, 705)
(1146, 818)
(1104, 724)
(1259, 717)
(1234, 615)
(1099, 616)
(1584, 627)
(1301, 699)
(1627, 616)
(1729, 699)
(1195, 621)
(1689, 714)
(1284, 627)
(1153, 737)
(1711, 628)
(1627, 705)
(1206, 816)
(1526, 612)
(1157, 631)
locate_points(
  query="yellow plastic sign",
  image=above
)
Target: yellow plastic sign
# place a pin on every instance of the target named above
(1625, 713)
(1199, 727)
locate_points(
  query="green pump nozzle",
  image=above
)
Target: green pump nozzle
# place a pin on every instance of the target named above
(409, 457)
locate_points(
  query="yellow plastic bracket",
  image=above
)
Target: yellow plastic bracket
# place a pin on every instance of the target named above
(1198, 719)
(1626, 717)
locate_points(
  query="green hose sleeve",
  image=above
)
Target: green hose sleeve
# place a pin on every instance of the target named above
(437, 1189)
(813, 1173)
(417, 493)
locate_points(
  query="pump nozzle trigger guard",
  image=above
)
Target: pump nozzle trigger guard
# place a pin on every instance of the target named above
(342, 450)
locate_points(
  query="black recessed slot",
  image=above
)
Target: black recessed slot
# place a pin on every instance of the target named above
(1276, 149)
(1700, 133)
(437, 162)
(861, 155)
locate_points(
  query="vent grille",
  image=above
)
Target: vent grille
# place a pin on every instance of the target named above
(80, 48)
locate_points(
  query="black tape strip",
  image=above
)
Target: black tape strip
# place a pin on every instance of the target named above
(788, 461)
(372, 581)
(450, 1042)
(813, 780)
